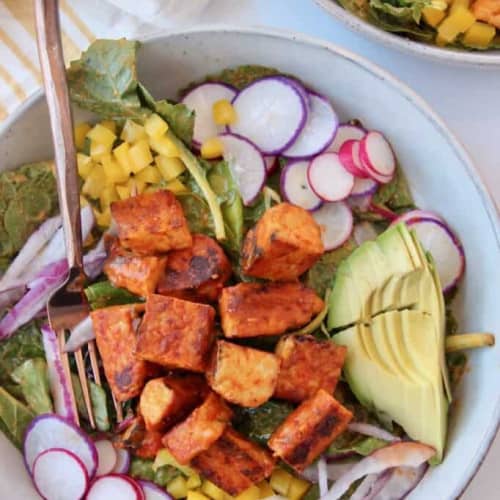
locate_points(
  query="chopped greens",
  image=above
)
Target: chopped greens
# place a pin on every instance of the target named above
(142, 468)
(14, 417)
(104, 294)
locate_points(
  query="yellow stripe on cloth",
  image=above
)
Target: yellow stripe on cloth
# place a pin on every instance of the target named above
(84, 29)
(12, 84)
(19, 54)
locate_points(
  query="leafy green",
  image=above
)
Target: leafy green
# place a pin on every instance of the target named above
(104, 294)
(395, 195)
(141, 468)
(259, 423)
(197, 213)
(34, 383)
(99, 400)
(349, 442)
(320, 276)
(405, 11)
(28, 196)
(457, 365)
(14, 417)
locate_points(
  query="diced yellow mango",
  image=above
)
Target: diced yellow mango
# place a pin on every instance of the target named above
(122, 156)
(460, 20)
(280, 481)
(459, 3)
(169, 168)
(440, 42)
(103, 218)
(107, 196)
(223, 112)
(101, 135)
(212, 490)
(212, 148)
(252, 493)
(123, 191)
(140, 155)
(176, 186)
(433, 16)
(95, 182)
(196, 495)
(113, 170)
(479, 35)
(81, 131)
(149, 174)
(298, 488)
(110, 125)
(98, 150)
(265, 489)
(194, 481)
(177, 487)
(164, 146)
(155, 126)
(84, 164)
(83, 201)
(132, 132)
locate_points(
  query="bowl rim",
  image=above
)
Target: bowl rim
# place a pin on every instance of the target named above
(398, 86)
(488, 59)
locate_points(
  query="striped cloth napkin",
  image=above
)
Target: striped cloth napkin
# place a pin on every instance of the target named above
(81, 22)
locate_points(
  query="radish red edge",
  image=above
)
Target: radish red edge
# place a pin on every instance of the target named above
(122, 465)
(377, 157)
(95, 490)
(106, 457)
(152, 491)
(349, 157)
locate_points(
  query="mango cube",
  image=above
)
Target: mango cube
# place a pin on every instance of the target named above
(123, 191)
(164, 146)
(298, 488)
(176, 186)
(177, 487)
(121, 154)
(132, 132)
(194, 481)
(80, 134)
(113, 170)
(460, 20)
(149, 174)
(169, 168)
(433, 16)
(479, 35)
(265, 489)
(155, 126)
(252, 493)
(98, 150)
(459, 3)
(140, 155)
(95, 182)
(101, 135)
(223, 112)
(212, 490)
(110, 125)
(84, 164)
(107, 196)
(103, 219)
(212, 148)
(280, 481)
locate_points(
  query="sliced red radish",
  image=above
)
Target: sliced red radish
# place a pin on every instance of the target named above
(271, 113)
(361, 203)
(319, 130)
(377, 156)
(444, 246)
(408, 454)
(59, 474)
(247, 165)
(363, 187)
(383, 212)
(372, 430)
(201, 100)
(122, 461)
(418, 214)
(153, 491)
(401, 482)
(346, 132)
(51, 431)
(335, 221)
(295, 187)
(115, 486)
(272, 164)
(349, 157)
(106, 457)
(363, 231)
(328, 178)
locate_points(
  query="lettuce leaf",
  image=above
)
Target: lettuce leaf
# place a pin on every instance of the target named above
(14, 418)
(104, 294)
(404, 11)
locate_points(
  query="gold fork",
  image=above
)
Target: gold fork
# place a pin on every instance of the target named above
(68, 305)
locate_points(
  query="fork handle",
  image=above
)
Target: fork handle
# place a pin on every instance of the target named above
(57, 95)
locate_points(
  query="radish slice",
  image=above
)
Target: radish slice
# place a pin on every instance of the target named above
(201, 100)
(247, 165)
(59, 474)
(328, 178)
(335, 221)
(272, 164)
(59, 380)
(363, 187)
(122, 461)
(377, 155)
(445, 248)
(401, 482)
(346, 132)
(51, 431)
(408, 454)
(418, 214)
(153, 491)
(272, 112)
(369, 488)
(295, 187)
(115, 486)
(319, 130)
(364, 231)
(106, 457)
(372, 430)
(349, 157)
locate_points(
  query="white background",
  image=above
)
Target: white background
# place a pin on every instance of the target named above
(468, 99)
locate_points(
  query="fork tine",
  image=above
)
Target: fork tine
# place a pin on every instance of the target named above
(61, 339)
(80, 365)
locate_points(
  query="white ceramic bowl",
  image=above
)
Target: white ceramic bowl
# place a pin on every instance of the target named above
(440, 173)
(490, 58)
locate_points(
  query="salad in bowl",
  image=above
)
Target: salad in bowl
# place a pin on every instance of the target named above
(271, 310)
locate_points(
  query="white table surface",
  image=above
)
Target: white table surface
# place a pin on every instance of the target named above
(467, 99)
